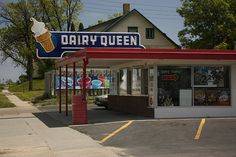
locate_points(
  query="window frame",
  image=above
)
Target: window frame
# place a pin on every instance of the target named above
(150, 33)
(132, 27)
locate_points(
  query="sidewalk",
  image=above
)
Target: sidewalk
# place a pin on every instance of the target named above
(24, 135)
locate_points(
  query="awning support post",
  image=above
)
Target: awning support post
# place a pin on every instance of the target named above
(85, 62)
(66, 90)
(74, 81)
(59, 90)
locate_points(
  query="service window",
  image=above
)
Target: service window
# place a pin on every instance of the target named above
(172, 80)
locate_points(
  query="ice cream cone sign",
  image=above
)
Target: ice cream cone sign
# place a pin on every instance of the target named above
(54, 44)
(42, 35)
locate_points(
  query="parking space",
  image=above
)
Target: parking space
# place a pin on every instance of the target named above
(152, 137)
(164, 138)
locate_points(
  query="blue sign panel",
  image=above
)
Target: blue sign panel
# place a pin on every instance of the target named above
(55, 44)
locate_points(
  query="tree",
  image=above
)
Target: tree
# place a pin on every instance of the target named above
(60, 14)
(114, 15)
(109, 17)
(208, 24)
(16, 40)
(81, 26)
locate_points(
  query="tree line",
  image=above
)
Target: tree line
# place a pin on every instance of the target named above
(16, 40)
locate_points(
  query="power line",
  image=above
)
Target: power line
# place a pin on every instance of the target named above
(140, 9)
(151, 16)
(136, 3)
(94, 9)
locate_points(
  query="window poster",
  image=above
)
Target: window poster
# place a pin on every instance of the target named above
(199, 97)
(151, 86)
(211, 97)
(96, 79)
(209, 76)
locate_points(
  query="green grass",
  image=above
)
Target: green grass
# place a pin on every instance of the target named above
(4, 102)
(29, 95)
(37, 95)
(1, 86)
(23, 87)
(46, 102)
(22, 92)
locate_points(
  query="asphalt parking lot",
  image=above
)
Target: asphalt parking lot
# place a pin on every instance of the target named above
(134, 136)
(167, 138)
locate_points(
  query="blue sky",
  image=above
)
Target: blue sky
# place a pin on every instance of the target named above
(161, 13)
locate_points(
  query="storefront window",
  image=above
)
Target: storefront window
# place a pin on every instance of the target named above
(136, 81)
(129, 81)
(211, 86)
(113, 82)
(144, 81)
(123, 82)
(211, 97)
(194, 86)
(174, 86)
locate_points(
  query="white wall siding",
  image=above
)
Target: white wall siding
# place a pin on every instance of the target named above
(136, 20)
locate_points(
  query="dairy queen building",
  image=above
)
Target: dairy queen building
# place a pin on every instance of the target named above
(157, 79)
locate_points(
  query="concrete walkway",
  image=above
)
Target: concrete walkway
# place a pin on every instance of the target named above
(24, 135)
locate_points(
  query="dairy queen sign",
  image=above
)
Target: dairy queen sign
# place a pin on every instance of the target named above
(52, 44)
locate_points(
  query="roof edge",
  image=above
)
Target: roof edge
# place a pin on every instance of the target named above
(134, 10)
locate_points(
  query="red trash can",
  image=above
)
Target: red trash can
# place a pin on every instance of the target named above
(79, 110)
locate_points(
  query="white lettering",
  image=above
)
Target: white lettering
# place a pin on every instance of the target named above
(72, 40)
(64, 39)
(104, 40)
(78, 39)
(112, 40)
(126, 40)
(133, 40)
(119, 40)
(85, 40)
(93, 39)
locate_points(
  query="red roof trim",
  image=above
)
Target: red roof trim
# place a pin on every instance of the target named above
(117, 53)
